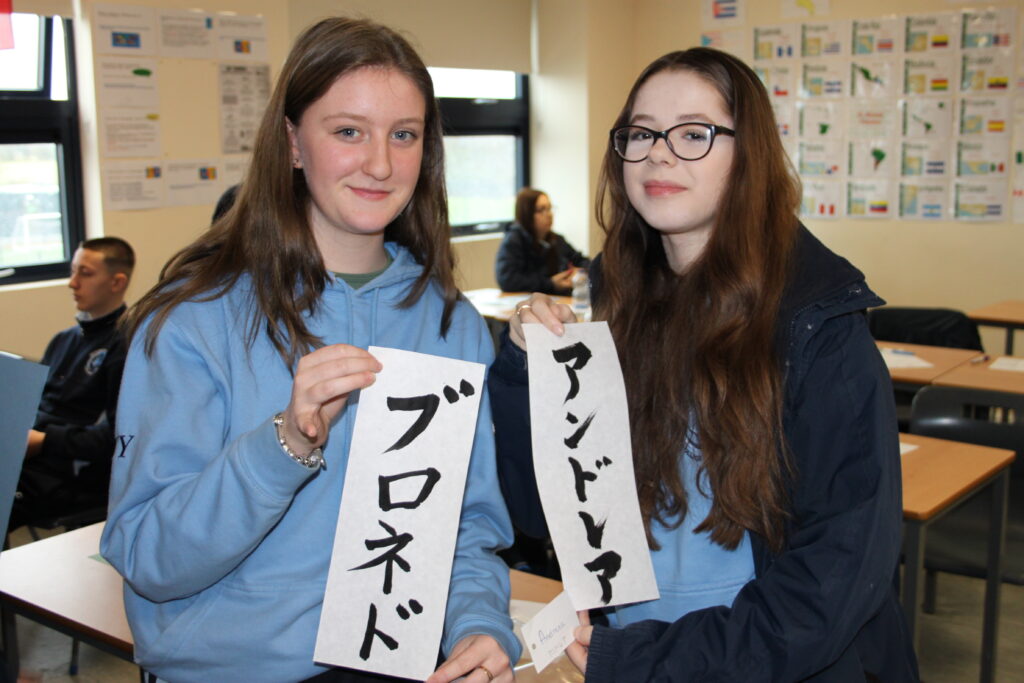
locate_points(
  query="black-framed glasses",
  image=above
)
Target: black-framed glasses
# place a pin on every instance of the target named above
(689, 141)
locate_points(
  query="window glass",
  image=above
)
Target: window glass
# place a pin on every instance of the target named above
(59, 79)
(480, 173)
(19, 67)
(31, 228)
(473, 83)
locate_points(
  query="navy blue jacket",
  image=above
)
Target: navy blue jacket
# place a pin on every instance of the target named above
(520, 267)
(79, 400)
(825, 608)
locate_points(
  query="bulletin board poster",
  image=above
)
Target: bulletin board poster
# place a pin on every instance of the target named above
(822, 119)
(777, 42)
(186, 33)
(911, 115)
(717, 14)
(822, 199)
(875, 77)
(928, 158)
(244, 93)
(868, 199)
(987, 28)
(876, 36)
(124, 30)
(923, 200)
(931, 33)
(980, 201)
(825, 39)
(927, 117)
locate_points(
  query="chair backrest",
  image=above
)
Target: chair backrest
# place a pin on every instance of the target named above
(931, 326)
(978, 416)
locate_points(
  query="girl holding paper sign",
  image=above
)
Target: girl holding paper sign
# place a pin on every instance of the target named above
(235, 417)
(762, 420)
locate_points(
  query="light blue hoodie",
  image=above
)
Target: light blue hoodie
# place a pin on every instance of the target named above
(224, 542)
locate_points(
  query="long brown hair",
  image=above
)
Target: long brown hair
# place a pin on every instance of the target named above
(526, 216)
(266, 233)
(711, 375)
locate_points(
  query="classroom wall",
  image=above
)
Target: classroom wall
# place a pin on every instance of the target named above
(952, 264)
(585, 57)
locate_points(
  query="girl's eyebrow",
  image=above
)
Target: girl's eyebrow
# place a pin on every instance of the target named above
(681, 118)
(359, 117)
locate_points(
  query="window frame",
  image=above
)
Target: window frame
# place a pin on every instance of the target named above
(31, 116)
(464, 116)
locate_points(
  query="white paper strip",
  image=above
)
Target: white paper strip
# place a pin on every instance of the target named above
(387, 587)
(583, 461)
(550, 631)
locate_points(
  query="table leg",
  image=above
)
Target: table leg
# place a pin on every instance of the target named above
(913, 569)
(1009, 340)
(9, 630)
(1000, 489)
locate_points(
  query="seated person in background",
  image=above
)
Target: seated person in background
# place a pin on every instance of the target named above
(67, 462)
(533, 258)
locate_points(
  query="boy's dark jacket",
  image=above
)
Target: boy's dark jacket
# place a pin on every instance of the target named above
(825, 609)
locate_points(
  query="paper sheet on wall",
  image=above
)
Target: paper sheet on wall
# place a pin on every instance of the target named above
(582, 457)
(186, 33)
(192, 181)
(244, 93)
(924, 200)
(723, 13)
(124, 29)
(23, 383)
(241, 37)
(132, 185)
(387, 587)
(980, 201)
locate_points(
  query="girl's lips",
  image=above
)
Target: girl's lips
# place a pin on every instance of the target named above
(372, 195)
(656, 189)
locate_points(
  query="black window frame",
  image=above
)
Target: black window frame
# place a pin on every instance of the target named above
(32, 116)
(463, 116)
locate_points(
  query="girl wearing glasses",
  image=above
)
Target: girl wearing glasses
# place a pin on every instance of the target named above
(533, 257)
(763, 428)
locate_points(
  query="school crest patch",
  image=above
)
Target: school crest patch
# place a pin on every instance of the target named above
(95, 361)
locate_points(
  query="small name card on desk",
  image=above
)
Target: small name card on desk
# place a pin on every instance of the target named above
(906, 448)
(550, 631)
(1008, 363)
(900, 358)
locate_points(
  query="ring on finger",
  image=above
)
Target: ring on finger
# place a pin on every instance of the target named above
(490, 676)
(519, 311)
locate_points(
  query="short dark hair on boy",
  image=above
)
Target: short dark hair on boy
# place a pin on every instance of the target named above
(118, 255)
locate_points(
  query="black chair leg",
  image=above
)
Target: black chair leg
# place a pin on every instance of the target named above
(73, 665)
(931, 580)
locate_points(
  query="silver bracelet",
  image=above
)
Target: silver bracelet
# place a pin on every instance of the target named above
(313, 460)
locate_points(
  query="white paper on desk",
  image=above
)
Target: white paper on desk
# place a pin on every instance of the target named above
(901, 359)
(23, 385)
(907, 447)
(1007, 363)
(550, 631)
(583, 460)
(399, 515)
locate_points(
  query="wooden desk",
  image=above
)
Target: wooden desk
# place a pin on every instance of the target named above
(1008, 314)
(943, 359)
(61, 583)
(500, 306)
(937, 476)
(981, 376)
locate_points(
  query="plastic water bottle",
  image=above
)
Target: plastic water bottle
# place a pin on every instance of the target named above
(581, 295)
